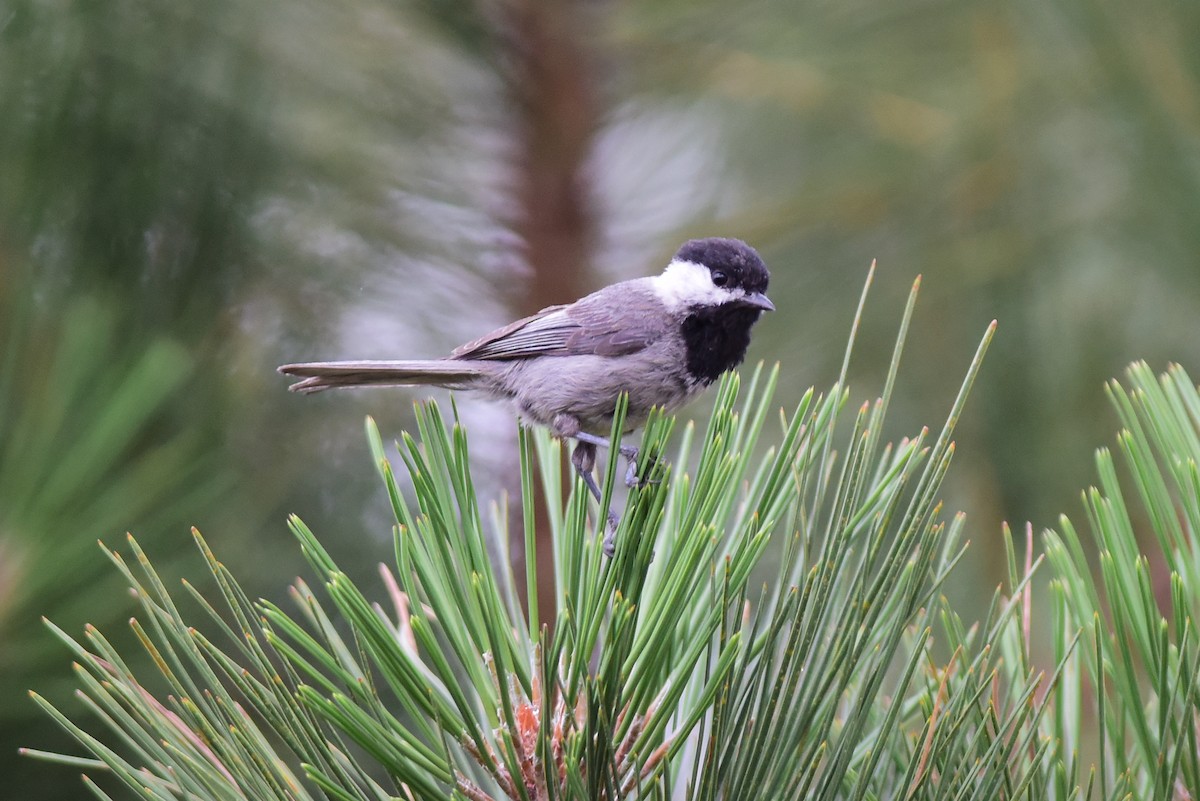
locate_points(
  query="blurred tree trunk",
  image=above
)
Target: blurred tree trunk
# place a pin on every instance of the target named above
(553, 87)
(554, 94)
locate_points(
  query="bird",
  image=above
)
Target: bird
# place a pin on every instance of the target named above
(660, 340)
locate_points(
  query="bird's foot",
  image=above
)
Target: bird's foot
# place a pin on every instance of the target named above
(631, 472)
(610, 535)
(629, 452)
(583, 460)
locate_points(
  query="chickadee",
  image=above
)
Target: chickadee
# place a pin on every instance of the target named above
(662, 340)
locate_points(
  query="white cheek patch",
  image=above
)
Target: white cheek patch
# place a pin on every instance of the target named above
(685, 283)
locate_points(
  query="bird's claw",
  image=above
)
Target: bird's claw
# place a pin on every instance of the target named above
(631, 476)
(584, 459)
(631, 473)
(610, 536)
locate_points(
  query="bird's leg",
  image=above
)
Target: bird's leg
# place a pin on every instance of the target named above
(628, 451)
(583, 459)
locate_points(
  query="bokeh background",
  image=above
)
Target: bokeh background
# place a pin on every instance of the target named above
(191, 194)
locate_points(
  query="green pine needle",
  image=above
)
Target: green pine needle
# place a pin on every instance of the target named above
(773, 625)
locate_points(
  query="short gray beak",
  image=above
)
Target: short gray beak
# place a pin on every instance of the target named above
(759, 301)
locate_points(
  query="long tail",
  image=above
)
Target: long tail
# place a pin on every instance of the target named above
(329, 375)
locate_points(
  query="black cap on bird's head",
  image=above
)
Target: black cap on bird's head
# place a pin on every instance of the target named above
(737, 261)
(716, 288)
(733, 266)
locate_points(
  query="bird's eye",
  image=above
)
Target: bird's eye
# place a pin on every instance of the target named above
(719, 278)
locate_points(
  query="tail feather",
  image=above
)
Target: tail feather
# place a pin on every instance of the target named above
(329, 375)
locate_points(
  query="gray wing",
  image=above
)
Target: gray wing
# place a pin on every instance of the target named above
(618, 320)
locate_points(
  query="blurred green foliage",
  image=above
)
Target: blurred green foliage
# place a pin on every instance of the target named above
(127, 179)
(92, 445)
(243, 184)
(127, 166)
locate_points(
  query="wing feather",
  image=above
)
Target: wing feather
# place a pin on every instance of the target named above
(537, 334)
(618, 320)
